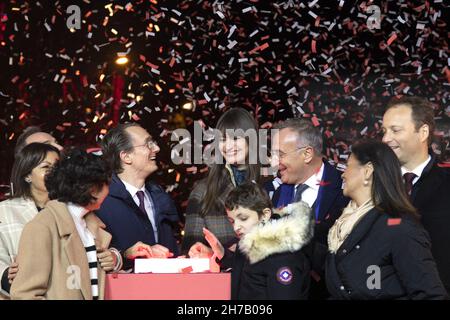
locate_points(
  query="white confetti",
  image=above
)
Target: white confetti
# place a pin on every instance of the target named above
(232, 29)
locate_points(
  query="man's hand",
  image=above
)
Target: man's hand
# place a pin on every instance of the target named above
(160, 251)
(140, 249)
(107, 259)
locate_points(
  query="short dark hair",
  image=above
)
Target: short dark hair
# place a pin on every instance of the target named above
(28, 159)
(250, 196)
(21, 140)
(388, 190)
(308, 134)
(421, 110)
(75, 176)
(116, 141)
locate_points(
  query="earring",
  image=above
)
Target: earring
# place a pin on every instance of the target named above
(366, 182)
(27, 179)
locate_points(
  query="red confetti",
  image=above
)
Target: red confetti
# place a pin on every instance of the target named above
(313, 46)
(394, 221)
(392, 39)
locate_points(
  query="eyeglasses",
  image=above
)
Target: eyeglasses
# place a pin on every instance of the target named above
(280, 154)
(149, 144)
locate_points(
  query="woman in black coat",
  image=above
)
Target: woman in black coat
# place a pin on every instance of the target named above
(378, 249)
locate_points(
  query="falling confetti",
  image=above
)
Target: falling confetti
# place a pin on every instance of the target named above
(191, 60)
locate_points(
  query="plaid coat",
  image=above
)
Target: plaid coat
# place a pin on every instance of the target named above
(14, 214)
(216, 222)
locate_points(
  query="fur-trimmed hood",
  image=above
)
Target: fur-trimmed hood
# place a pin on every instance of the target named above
(289, 233)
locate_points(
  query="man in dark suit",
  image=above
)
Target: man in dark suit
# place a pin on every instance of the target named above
(305, 176)
(408, 126)
(139, 215)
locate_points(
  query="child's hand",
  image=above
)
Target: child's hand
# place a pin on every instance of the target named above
(215, 244)
(199, 250)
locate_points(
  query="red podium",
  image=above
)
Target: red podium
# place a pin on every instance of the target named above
(168, 286)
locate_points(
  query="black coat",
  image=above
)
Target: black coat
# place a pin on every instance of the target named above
(124, 220)
(263, 280)
(431, 196)
(268, 263)
(401, 250)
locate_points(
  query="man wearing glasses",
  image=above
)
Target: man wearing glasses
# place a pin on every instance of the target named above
(306, 176)
(139, 214)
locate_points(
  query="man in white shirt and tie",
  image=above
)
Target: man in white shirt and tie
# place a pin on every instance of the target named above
(408, 127)
(297, 151)
(139, 214)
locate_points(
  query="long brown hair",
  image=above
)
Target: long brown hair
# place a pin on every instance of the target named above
(388, 190)
(218, 177)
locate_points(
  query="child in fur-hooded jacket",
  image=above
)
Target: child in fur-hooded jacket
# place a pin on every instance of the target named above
(268, 262)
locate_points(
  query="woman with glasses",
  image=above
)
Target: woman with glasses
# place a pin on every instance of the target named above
(29, 196)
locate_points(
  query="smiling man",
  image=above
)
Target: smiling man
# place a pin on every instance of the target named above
(138, 214)
(305, 176)
(408, 126)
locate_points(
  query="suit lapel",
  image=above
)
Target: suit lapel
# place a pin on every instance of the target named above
(429, 181)
(327, 192)
(118, 190)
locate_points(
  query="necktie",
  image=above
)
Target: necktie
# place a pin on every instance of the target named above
(409, 177)
(141, 197)
(298, 194)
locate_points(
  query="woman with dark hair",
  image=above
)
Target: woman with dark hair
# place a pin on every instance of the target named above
(378, 249)
(63, 252)
(29, 196)
(205, 207)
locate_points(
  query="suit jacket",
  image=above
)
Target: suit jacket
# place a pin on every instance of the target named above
(431, 196)
(124, 220)
(328, 205)
(52, 259)
(14, 214)
(397, 254)
(327, 208)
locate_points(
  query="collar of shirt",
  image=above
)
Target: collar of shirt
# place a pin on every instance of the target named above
(418, 170)
(313, 182)
(78, 213)
(132, 189)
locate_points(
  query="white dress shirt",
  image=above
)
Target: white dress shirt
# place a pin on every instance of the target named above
(418, 170)
(310, 195)
(148, 203)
